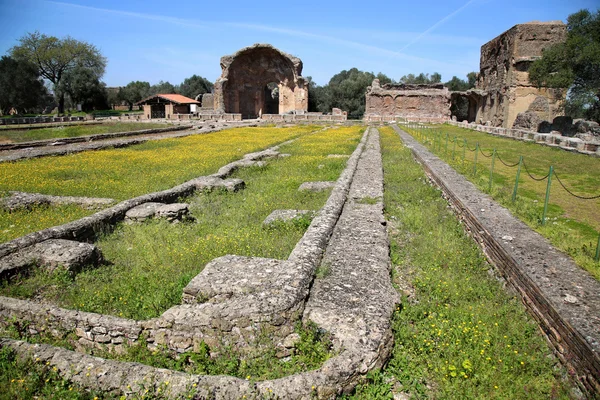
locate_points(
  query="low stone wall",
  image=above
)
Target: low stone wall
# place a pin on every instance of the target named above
(38, 120)
(268, 293)
(562, 297)
(302, 117)
(548, 139)
(89, 138)
(88, 227)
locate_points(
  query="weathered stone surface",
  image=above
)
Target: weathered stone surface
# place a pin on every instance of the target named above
(527, 120)
(142, 212)
(242, 87)
(410, 102)
(52, 254)
(17, 200)
(173, 212)
(356, 299)
(503, 89)
(316, 186)
(286, 215)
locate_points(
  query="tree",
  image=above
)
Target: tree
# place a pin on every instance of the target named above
(574, 65)
(83, 87)
(161, 88)
(346, 90)
(20, 86)
(194, 86)
(460, 85)
(56, 57)
(421, 79)
(134, 92)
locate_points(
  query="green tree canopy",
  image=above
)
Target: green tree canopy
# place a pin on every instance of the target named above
(134, 92)
(194, 85)
(161, 88)
(55, 58)
(421, 78)
(83, 87)
(460, 85)
(574, 65)
(20, 86)
(346, 90)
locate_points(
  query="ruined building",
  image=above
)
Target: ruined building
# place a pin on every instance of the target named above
(260, 79)
(503, 89)
(428, 103)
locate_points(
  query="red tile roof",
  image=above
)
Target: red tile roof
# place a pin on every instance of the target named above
(175, 98)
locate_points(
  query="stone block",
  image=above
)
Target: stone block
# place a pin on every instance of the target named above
(286, 215)
(317, 186)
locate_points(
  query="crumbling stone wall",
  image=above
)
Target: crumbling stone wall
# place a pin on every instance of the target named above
(503, 89)
(242, 87)
(410, 102)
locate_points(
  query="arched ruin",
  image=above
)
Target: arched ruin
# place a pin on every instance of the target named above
(246, 83)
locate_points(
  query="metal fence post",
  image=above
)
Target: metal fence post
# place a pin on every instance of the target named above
(492, 170)
(547, 195)
(475, 162)
(514, 195)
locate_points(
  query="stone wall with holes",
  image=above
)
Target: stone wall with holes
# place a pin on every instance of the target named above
(429, 103)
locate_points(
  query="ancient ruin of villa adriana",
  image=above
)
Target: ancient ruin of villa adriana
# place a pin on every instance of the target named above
(235, 296)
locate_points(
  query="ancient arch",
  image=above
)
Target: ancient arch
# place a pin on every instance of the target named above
(246, 75)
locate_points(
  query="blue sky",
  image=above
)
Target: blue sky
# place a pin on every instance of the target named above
(161, 40)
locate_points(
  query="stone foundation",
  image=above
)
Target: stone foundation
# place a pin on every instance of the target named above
(554, 139)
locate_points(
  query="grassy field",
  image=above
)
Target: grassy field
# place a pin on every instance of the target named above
(125, 173)
(152, 262)
(458, 335)
(572, 224)
(15, 136)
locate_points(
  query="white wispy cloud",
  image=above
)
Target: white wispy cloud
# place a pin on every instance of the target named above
(437, 24)
(272, 29)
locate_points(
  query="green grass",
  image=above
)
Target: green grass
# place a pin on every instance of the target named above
(125, 173)
(16, 136)
(572, 225)
(18, 223)
(459, 335)
(152, 262)
(28, 379)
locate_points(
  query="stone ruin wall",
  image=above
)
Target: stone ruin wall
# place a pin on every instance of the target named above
(429, 103)
(245, 74)
(503, 88)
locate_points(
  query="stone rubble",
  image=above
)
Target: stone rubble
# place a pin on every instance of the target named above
(173, 212)
(17, 200)
(52, 254)
(272, 296)
(286, 215)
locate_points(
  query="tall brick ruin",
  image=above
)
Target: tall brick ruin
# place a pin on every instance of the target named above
(260, 79)
(503, 89)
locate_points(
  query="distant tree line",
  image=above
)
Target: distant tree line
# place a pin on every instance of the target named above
(43, 72)
(346, 90)
(137, 90)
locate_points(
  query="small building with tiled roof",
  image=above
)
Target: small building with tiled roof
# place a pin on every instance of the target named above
(168, 106)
